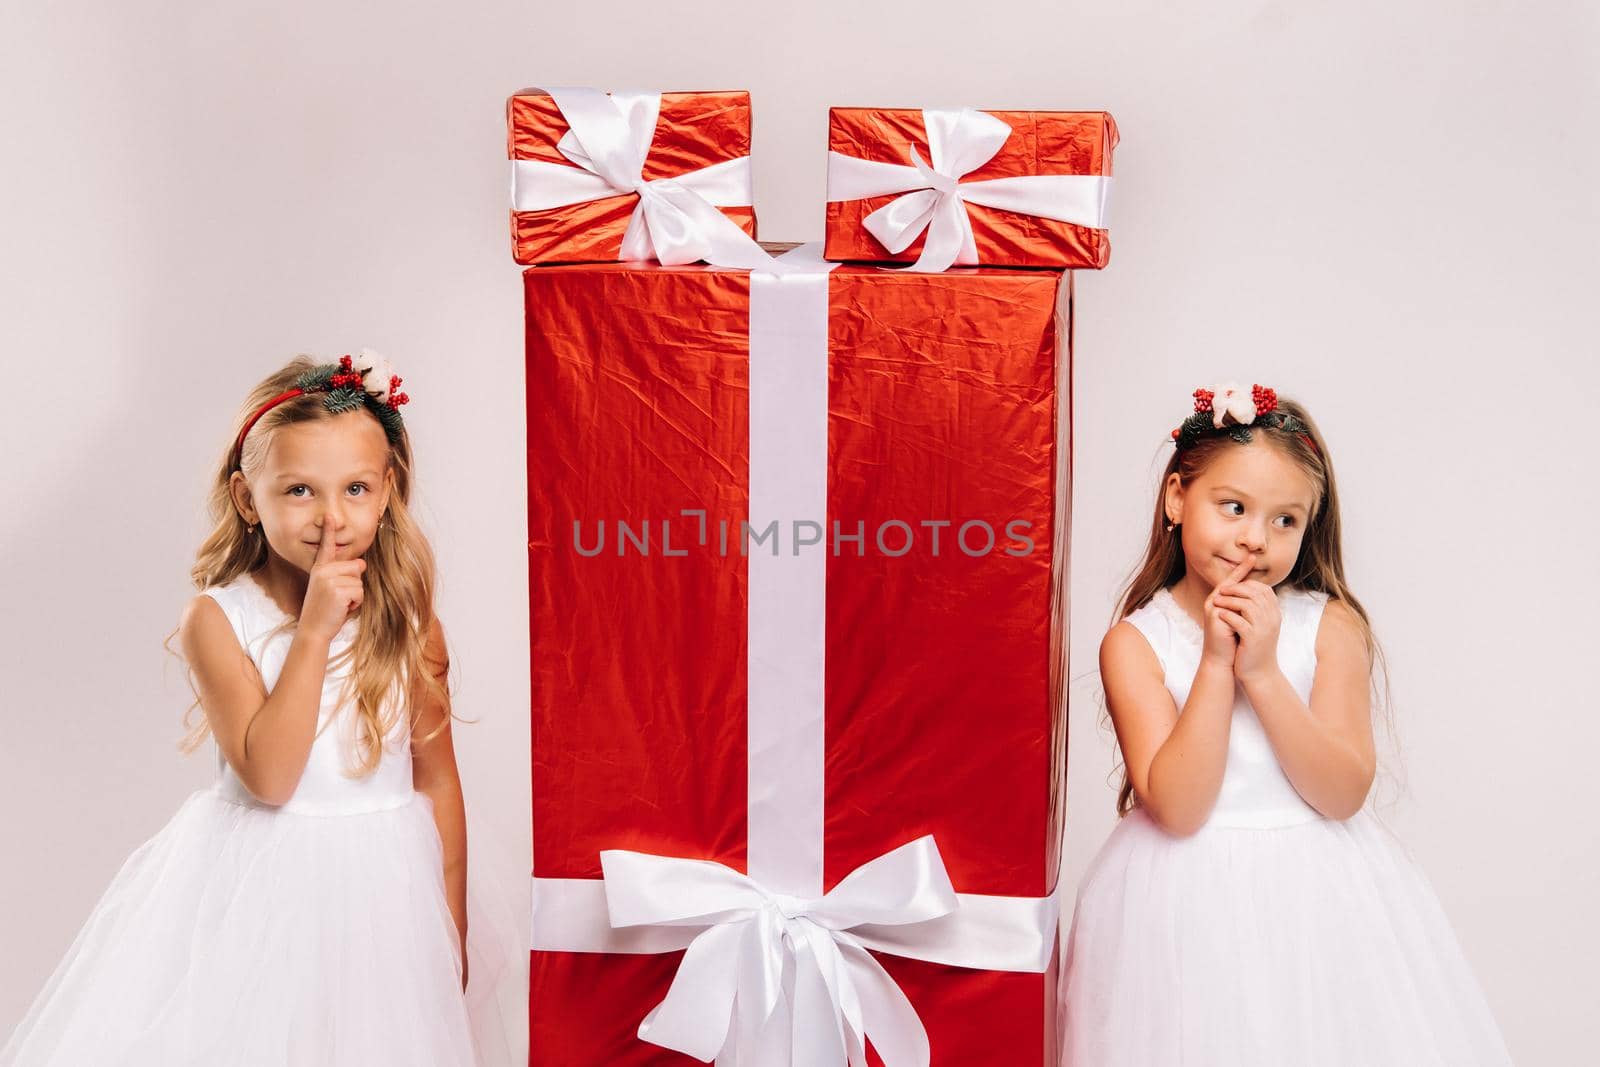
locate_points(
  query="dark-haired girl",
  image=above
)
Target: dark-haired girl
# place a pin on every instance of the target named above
(1248, 908)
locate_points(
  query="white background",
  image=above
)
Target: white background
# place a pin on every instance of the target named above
(1387, 211)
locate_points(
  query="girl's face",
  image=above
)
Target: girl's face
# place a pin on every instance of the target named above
(1250, 498)
(336, 467)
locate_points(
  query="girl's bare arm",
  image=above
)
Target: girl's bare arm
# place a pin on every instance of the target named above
(265, 737)
(1326, 750)
(1174, 761)
(434, 772)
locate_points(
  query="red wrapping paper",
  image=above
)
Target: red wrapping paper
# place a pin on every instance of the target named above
(1041, 142)
(943, 684)
(694, 130)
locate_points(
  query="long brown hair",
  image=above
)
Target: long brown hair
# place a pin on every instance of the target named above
(1319, 567)
(398, 603)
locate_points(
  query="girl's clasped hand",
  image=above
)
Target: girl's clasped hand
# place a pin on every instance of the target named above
(1243, 619)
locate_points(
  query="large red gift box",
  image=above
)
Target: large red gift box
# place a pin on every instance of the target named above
(1033, 185)
(695, 134)
(938, 406)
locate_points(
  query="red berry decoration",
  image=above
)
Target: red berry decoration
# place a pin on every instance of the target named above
(1174, 435)
(1202, 400)
(1265, 399)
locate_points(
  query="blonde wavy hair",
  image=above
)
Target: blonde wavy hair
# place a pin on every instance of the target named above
(1319, 567)
(398, 604)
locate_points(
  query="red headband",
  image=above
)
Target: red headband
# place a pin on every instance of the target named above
(345, 387)
(238, 446)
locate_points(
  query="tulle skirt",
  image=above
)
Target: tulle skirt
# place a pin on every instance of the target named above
(249, 937)
(1315, 944)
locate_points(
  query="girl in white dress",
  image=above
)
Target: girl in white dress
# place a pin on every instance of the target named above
(1247, 909)
(311, 906)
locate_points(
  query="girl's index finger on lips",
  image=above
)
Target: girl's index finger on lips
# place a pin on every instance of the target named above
(328, 545)
(1244, 567)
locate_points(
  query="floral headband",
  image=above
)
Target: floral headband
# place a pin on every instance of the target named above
(365, 379)
(1228, 408)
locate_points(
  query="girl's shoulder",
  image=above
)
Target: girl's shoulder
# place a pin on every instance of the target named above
(1163, 620)
(1157, 627)
(249, 609)
(227, 593)
(231, 598)
(1302, 605)
(1333, 623)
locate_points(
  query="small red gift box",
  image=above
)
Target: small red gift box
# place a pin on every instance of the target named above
(1000, 188)
(583, 161)
(797, 577)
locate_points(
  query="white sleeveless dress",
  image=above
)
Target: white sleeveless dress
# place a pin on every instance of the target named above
(1273, 935)
(317, 932)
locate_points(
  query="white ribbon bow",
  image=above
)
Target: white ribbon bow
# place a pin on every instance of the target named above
(960, 141)
(775, 981)
(676, 220)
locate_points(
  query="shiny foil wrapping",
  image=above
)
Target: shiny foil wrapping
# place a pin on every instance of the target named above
(1041, 142)
(693, 130)
(948, 400)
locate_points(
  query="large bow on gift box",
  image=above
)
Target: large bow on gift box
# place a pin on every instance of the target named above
(773, 979)
(676, 220)
(960, 141)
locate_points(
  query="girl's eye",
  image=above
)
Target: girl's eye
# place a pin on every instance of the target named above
(1286, 520)
(292, 488)
(1226, 504)
(359, 485)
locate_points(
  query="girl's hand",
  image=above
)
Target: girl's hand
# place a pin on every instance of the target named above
(1222, 641)
(334, 590)
(1250, 609)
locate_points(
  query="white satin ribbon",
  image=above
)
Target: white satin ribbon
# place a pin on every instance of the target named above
(985, 932)
(676, 220)
(787, 620)
(777, 972)
(960, 141)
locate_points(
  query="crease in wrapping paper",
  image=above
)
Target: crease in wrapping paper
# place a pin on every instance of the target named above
(693, 130)
(941, 691)
(1041, 142)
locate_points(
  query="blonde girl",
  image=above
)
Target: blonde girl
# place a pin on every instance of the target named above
(310, 906)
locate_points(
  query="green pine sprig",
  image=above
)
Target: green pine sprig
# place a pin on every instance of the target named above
(345, 398)
(340, 399)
